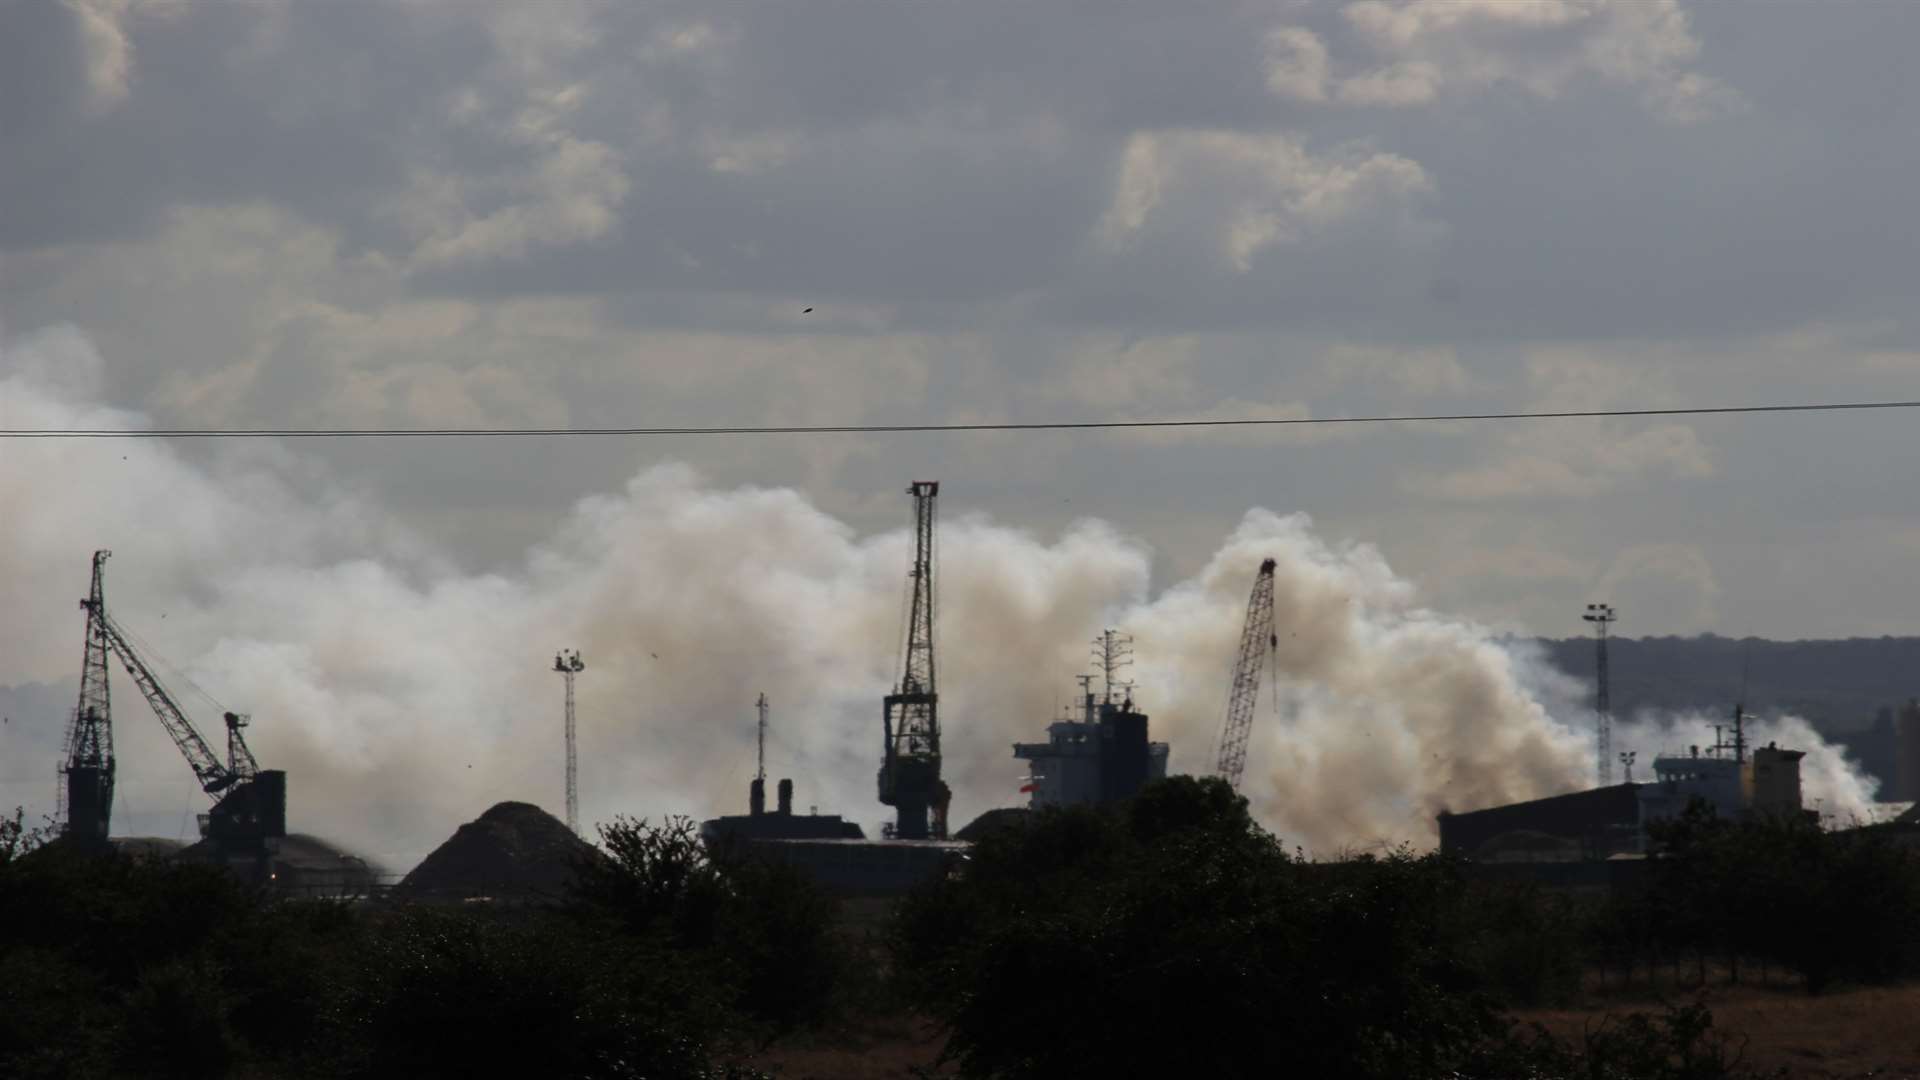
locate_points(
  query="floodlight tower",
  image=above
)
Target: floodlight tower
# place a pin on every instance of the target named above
(1626, 760)
(1601, 616)
(567, 663)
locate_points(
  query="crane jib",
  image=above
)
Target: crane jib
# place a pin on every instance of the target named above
(214, 776)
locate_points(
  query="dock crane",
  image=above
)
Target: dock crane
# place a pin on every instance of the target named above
(250, 802)
(1258, 642)
(909, 778)
(87, 773)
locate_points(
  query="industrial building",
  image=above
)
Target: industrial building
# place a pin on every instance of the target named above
(865, 867)
(1612, 820)
(781, 824)
(1580, 825)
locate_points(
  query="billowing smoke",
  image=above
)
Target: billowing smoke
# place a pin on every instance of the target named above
(404, 695)
(1388, 712)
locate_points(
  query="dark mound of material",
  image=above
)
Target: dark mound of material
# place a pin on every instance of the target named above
(1006, 817)
(147, 847)
(514, 851)
(297, 864)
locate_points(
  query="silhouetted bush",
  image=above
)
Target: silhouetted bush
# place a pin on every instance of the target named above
(175, 1023)
(762, 929)
(1780, 889)
(287, 965)
(1064, 941)
(1172, 936)
(105, 959)
(1525, 944)
(450, 994)
(112, 966)
(776, 935)
(1680, 1043)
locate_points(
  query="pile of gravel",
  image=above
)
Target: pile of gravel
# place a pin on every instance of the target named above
(1007, 817)
(514, 851)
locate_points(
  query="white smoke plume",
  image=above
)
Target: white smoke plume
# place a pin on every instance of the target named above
(1390, 712)
(404, 696)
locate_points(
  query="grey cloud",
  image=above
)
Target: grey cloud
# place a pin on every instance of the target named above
(376, 211)
(1427, 48)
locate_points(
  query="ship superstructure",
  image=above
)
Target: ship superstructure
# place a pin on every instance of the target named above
(1103, 754)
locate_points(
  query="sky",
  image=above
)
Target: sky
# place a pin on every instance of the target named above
(423, 213)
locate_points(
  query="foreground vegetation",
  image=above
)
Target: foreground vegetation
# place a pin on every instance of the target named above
(112, 967)
(1168, 936)
(1172, 936)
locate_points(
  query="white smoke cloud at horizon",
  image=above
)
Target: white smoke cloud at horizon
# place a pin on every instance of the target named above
(405, 695)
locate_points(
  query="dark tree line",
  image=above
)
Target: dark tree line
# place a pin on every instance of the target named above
(1172, 936)
(1169, 935)
(1733, 900)
(116, 967)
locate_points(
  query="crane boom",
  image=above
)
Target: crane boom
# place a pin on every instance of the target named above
(1257, 642)
(214, 776)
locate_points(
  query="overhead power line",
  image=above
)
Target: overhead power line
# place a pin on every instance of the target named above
(888, 429)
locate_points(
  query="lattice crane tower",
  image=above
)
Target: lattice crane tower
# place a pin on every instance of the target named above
(86, 777)
(909, 779)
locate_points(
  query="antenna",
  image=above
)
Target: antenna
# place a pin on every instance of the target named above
(1601, 616)
(1740, 706)
(567, 663)
(761, 705)
(1739, 732)
(1112, 650)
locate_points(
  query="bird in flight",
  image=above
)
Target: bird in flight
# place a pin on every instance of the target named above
(809, 311)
